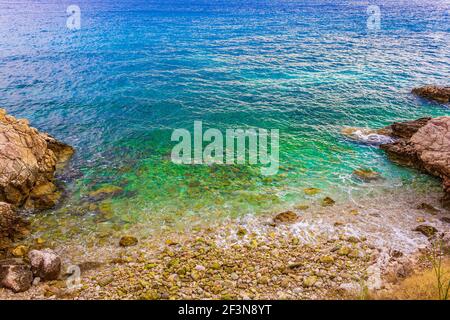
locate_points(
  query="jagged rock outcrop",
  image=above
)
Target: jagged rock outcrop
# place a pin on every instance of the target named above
(8, 220)
(28, 160)
(423, 144)
(436, 93)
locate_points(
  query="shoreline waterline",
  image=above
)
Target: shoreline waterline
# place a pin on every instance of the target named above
(373, 230)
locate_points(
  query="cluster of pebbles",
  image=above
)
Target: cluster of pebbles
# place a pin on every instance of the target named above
(226, 262)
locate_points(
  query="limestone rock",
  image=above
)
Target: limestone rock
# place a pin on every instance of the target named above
(45, 264)
(436, 93)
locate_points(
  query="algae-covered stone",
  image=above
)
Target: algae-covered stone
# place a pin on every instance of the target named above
(354, 253)
(15, 275)
(28, 161)
(105, 192)
(427, 208)
(241, 232)
(39, 241)
(127, 241)
(45, 264)
(150, 295)
(195, 275)
(171, 242)
(19, 251)
(263, 280)
(353, 239)
(366, 174)
(105, 281)
(344, 251)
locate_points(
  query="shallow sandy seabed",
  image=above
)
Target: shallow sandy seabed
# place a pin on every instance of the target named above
(334, 251)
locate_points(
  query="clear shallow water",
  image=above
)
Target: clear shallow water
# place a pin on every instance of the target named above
(136, 70)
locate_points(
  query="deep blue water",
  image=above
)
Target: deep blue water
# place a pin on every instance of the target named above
(138, 69)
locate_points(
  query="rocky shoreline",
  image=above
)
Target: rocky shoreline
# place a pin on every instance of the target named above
(280, 256)
(286, 255)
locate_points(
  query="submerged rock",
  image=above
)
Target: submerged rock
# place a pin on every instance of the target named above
(427, 208)
(28, 160)
(436, 93)
(128, 241)
(424, 144)
(45, 264)
(19, 251)
(15, 275)
(406, 129)
(287, 216)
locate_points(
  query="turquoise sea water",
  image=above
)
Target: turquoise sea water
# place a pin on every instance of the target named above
(136, 70)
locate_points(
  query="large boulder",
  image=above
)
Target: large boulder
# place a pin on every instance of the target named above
(28, 160)
(45, 264)
(436, 93)
(8, 220)
(425, 145)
